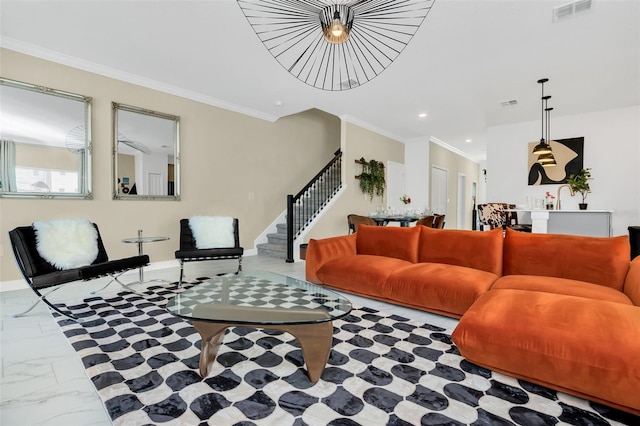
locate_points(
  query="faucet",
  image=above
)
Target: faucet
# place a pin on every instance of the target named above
(558, 195)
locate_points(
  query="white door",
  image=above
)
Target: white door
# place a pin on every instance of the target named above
(462, 201)
(439, 189)
(156, 184)
(395, 185)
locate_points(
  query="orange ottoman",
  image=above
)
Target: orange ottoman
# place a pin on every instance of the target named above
(584, 347)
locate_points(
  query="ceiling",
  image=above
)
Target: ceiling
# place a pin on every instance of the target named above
(464, 61)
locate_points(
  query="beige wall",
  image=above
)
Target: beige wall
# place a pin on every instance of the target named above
(455, 164)
(232, 164)
(40, 156)
(356, 143)
(127, 168)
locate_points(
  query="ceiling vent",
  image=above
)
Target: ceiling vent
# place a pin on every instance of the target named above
(571, 9)
(510, 103)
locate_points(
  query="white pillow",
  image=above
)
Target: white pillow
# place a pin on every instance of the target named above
(67, 243)
(212, 231)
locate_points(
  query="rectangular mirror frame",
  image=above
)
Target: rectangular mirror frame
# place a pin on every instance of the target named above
(176, 152)
(86, 100)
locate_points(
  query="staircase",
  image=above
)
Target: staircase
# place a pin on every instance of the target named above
(276, 245)
(303, 208)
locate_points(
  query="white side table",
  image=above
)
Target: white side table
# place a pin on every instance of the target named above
(140, 240)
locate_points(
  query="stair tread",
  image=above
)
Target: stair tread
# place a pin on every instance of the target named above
(305, 210)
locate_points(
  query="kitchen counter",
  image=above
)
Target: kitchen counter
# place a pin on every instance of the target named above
(594, 223)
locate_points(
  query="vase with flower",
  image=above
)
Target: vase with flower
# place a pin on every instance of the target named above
(548, 200)
(406, 201)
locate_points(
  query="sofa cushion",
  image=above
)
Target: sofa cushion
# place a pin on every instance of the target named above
(389, 241)
(447, 289)
(362, 274)
(473, 249)
(561, 286)
(577, 345)
(321, 251)
(596, 260)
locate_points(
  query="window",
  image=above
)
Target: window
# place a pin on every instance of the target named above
(46, 180)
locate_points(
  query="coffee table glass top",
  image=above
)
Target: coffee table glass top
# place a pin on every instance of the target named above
(259, 297)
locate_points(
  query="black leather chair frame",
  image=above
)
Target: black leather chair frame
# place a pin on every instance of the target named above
(634, 241)
(40, 274)
(190, 253)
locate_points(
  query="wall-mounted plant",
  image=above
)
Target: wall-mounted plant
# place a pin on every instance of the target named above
(372, 181)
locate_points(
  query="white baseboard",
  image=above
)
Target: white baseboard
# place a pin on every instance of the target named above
(13, 285)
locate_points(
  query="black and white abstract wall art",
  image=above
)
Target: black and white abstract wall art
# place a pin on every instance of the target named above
(569, 155)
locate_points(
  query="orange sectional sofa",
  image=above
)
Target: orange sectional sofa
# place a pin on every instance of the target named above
(558, 310)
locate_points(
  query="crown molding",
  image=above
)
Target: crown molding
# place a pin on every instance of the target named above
(71, 61)
(452, 149)
(365, 125)
(353, 120)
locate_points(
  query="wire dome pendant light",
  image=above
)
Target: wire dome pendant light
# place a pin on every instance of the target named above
(335, 44)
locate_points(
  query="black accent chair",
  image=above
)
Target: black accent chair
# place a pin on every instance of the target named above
(41, 274)
(190, 253)
(634, 241)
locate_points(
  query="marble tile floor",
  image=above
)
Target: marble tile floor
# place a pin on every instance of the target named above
(42, 380)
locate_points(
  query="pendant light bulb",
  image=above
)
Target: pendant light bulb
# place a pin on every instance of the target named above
(336, 26)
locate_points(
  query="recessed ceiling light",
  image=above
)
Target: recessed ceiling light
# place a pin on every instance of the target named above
(423, 115)
(278, 103)
(468, 140)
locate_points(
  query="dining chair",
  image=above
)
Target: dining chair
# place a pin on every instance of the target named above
(425, 221)
(355, 220)
(438, 221)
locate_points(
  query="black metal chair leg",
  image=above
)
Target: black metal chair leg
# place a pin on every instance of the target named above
(239, 265)
(181, 273)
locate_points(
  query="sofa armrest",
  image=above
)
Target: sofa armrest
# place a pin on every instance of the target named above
(632, 282)
(320, 252)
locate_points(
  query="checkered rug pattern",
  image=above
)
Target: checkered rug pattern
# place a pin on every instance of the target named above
(383, 370)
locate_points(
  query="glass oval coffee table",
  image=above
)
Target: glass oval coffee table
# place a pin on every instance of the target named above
(262, 300)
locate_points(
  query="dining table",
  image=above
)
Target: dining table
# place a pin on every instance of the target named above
(404, 221)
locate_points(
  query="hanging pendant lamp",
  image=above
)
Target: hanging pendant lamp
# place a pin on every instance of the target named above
(548, 160)
(335, 44)
(542, 147)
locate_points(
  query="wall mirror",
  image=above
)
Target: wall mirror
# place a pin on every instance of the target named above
(45, 142)
(146, 154)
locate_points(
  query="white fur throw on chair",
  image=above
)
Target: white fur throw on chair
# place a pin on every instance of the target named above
(67, 243)
(212, 231)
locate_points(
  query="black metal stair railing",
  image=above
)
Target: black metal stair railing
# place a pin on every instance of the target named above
(303, 207)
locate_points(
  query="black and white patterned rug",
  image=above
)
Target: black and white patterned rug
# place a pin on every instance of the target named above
(383, 370)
